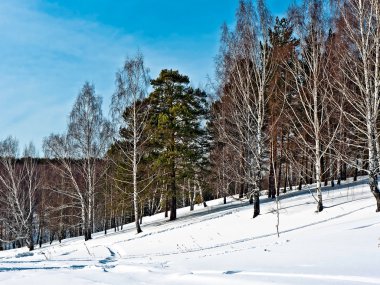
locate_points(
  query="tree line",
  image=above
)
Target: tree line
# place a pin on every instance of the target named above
(295, 102)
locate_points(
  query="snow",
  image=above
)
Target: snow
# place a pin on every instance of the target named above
(222, 244)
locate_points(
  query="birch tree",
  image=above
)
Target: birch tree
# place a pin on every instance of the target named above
(19, 183)
(79, 153)
(309, 84)
(130, 114)
(245, 69)
(359, 27)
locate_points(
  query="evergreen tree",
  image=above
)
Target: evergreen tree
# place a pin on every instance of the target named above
(176, 126)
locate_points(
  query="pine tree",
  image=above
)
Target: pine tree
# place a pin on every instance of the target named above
(177, 114)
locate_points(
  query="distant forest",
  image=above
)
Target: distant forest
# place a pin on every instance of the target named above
(295, 101)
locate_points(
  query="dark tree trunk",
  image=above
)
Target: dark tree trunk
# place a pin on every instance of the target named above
(51, 238)
(117, 222)
(287, 166)
(256, 195)
(173, 190)
(241, 192)
(87, 234)
(191, 205)
(271, 182)
(173, 208)
(285, 182)
(113, 223)
(256, 203)
(301, 176)
(344, 171)
(30, 239)
(324, 171)
(339, 168)
(123, 218)
(280, 167)
(373, 184)
(300, 182)
(286, 177)
(356, 171)
(173, 204)
(320, 203)
(137, 224)
(39, 235)
(31, 244)
(166, 206)
(251, 199)
(279, 179)
(377, 196)
(331, 168)
(311, 173)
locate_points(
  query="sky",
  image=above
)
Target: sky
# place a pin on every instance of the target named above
(50, 48)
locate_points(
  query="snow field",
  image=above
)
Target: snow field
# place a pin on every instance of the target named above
(222, 245)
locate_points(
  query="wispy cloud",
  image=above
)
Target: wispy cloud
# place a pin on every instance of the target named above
(45, 60)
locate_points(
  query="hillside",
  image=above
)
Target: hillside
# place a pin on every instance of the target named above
(222, 244)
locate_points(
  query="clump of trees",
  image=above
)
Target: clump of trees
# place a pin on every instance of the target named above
(78, 156)
(297, 102)
(20, 181)
(297, 98)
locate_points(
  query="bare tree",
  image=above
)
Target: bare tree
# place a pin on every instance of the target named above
(130, 114)
(245, 69)
(80, 153)
(309, 103)
(19, 183)
(221, 159)
(359, 28)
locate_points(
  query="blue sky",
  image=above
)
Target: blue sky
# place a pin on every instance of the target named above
(48, 49)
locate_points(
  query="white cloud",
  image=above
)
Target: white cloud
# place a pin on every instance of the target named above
(45, 60)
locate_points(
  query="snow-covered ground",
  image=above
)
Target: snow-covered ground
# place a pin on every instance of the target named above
(221, 244)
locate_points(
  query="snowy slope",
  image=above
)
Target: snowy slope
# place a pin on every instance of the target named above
(222, 244)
